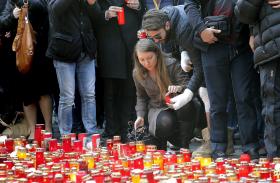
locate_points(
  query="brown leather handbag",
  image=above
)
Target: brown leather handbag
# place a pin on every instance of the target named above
(24, 42)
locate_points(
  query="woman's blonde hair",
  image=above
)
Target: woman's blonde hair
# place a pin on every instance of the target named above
(162, 76)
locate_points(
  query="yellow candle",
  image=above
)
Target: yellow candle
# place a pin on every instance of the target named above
(135, 175)
(140, 147)
(205, 161)
(21, 153)
(147, 162)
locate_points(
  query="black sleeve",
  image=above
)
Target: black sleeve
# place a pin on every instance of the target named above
(60, 6)
(193, 11)
(247, 11)
(197, 77)
(7, 20)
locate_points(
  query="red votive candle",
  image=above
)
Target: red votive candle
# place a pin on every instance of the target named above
(245, 157)
(66, 143)
(52, 145)
(9, 143)
(121, 17)
(39, 156)
(95, 138)
(186, 154)
(38, 133)
(78, 146)
(82, 137)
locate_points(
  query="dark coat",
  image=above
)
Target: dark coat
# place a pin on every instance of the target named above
(2, 5)
(71, 23)
(266, 28)
(116, 43)
(182, 33)
(196, 10)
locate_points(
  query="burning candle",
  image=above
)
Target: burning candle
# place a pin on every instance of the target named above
(148, 161)
(245, 157)
(21, 153)
(95, 141)
(9, 143)
(158, 159)
(121, 17)
(186, 154)
(78, 146)
(135, 175)
(82, 137)
(52, 145)
(138, 162)
(66, 143)
(140, 147)
(39, 156)
(38, 133)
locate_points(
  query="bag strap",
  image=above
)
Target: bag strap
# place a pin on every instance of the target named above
(157, 5)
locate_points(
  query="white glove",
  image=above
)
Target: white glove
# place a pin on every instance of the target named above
(16, 12)
(182, 99)
(185, 61)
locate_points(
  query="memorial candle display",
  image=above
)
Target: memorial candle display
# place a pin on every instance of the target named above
(116, 162)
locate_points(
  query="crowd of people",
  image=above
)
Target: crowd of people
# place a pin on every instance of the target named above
(207, 65)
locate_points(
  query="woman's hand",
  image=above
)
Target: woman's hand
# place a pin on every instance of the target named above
(138, 122)
(174, 89)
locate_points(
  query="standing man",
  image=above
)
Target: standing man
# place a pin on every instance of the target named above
(72, 46)
(227, 61)
(264, 15)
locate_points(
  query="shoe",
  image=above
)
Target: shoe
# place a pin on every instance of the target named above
(218, 154)
(198, 134)
(205, 148)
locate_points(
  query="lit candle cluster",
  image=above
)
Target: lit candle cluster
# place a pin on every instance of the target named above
(47, 160)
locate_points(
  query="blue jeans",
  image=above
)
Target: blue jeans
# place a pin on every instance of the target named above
(84, 71)
(224, 67)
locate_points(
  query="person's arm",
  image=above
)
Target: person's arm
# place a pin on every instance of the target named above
(247, 11)
(60, 6)
(141, 99)
(192, 9)
(193, 85)
(197, 77)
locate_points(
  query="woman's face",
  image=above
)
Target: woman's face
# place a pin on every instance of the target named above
(147, 59)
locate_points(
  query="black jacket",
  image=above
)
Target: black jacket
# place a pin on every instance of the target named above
(182, 33)
(266, 28)
(196, 10)
(71, 25)
(116, 42)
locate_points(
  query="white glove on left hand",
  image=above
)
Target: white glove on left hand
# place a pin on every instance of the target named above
(181, 100)
(185, 62)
